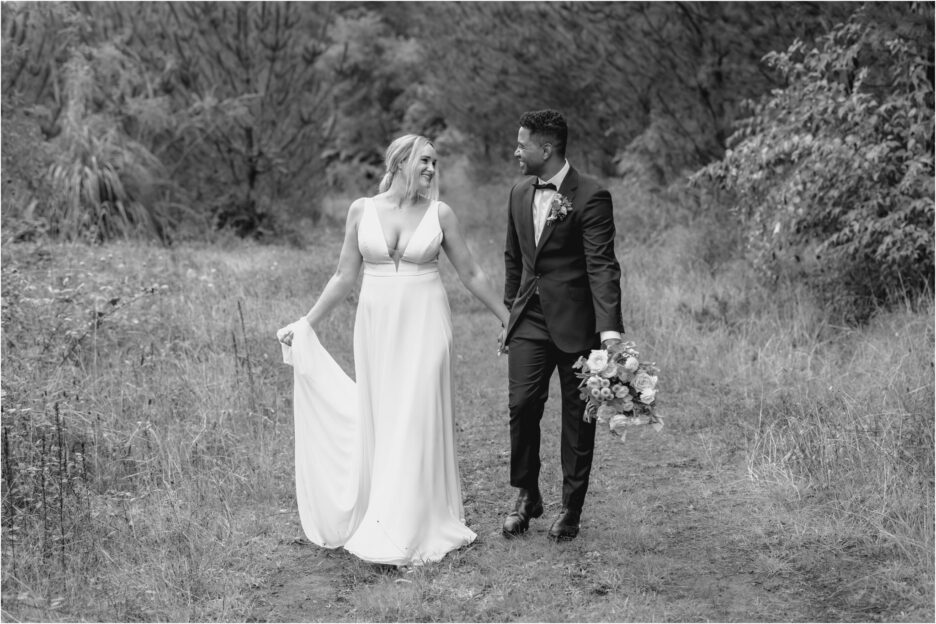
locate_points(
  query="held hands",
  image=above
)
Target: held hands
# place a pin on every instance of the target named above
(501, 344)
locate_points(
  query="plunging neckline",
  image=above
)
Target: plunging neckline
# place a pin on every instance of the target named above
(396, 262)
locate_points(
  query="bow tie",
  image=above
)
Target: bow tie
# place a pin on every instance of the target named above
(547, 185)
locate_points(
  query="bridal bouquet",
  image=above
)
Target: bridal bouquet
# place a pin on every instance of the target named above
(618, 388)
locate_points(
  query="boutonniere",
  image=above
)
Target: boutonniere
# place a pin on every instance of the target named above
(559, 208)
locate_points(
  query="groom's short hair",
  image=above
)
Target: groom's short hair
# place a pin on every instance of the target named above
(549, 125)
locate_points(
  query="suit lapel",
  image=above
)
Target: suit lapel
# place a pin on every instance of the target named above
(568, 190)
(525, 230)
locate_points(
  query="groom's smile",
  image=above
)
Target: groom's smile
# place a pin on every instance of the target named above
(528, 153)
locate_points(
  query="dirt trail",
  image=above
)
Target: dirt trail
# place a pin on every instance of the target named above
(718, 548)
(710, 524)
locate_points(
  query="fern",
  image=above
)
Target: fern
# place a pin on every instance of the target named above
(104, 181)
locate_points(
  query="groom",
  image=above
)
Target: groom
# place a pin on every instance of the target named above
(563, 289)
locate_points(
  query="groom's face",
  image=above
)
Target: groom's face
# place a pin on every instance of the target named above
(529, 153)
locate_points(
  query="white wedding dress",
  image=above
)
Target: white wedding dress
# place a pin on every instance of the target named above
(376, 470)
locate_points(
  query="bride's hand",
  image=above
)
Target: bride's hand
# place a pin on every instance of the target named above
(285, 335)
(502, 348)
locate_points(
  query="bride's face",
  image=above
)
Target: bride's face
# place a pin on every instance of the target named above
(425, 168)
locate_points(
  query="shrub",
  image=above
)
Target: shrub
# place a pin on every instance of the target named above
(26, 157)
(837, 167)
(104, 181)
(94, 178)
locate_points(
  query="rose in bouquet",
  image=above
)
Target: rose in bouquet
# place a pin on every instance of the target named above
(618, 388)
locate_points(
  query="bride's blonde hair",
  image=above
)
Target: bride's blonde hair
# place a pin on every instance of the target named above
(401, 159)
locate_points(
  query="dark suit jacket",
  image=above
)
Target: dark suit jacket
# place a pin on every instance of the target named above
(574, 265)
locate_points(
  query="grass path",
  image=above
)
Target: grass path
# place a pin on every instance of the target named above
(673, 531)
(199, 523)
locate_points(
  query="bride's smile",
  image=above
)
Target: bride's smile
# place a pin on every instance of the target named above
(426, 167)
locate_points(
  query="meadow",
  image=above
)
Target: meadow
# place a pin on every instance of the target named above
(147, 443)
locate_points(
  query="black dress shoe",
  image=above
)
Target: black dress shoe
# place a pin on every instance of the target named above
(566, 526)
(529, 505)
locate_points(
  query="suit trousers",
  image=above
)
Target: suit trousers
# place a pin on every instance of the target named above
(532, 359)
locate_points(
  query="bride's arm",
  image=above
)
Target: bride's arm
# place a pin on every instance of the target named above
(347, 271)
(345, 276)
(471, 275)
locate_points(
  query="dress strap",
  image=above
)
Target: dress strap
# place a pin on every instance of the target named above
(434, 207)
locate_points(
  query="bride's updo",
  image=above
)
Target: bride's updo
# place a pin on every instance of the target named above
(401, 159)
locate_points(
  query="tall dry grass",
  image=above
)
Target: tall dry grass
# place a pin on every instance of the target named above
(838, 419)
(139, 438)
(147, 427)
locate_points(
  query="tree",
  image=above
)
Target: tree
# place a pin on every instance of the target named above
(105, 183)
(36, 41)
(243, 106)
(250, 98)
(837, 166)
(614, 68)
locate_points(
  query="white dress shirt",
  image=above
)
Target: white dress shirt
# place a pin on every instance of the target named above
(541, 200)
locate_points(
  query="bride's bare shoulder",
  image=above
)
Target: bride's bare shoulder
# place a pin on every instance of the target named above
(447, 215)
(356, 209)
(444, 208)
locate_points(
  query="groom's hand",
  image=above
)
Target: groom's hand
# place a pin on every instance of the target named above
(609, 342)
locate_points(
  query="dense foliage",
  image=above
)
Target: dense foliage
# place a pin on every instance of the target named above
(834, 172)
(619, 70)
(234, 109)
(175, 120)
(228, 115)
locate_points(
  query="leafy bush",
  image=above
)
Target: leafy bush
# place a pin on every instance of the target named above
(96, 177)
(105, 182)
(186, 117)
(837, 167)
(24, 159)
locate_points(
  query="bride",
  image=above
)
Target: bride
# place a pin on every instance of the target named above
(376, 470)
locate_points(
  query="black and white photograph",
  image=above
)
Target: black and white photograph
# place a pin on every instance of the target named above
(471, 311)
